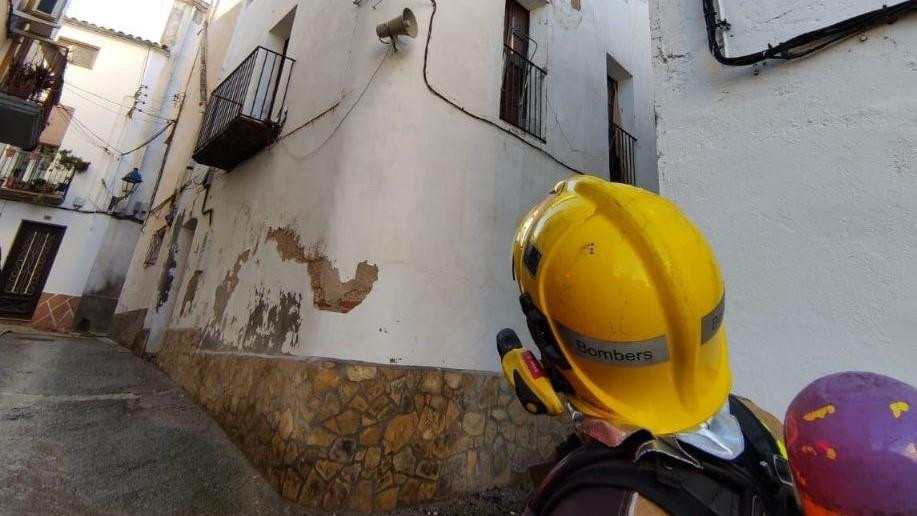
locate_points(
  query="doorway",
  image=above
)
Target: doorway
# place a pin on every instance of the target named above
(160, 314)
(27, 267)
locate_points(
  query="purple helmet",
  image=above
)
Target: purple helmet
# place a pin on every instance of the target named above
(852, 443)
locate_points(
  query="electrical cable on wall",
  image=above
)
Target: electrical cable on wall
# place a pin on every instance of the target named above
(803, 44)
(105, 108)
(433, 90)
(343, 118)
(152, 138)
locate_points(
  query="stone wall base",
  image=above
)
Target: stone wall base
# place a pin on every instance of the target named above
(127, 329)
(341, 435)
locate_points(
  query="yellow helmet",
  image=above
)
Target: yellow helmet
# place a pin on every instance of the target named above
(625, 300)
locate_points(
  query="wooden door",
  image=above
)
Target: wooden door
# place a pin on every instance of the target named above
(28, 264)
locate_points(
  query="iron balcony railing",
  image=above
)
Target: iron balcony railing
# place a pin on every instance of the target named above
(255, 90)
(35, 72)
(33, 176)
(522, 96)
(621, 149)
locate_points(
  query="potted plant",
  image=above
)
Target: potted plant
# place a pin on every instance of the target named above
(67, 161)
(27, 81)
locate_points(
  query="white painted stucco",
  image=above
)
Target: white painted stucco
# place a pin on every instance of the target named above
(127, 72)
(804, 178)
(406, 182)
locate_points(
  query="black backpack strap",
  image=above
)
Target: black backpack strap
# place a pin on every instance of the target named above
(672, 485)
(763, 443)
(773, 467)
(752, 484)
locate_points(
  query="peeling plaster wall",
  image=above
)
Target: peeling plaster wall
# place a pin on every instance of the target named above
(402, 218)
(804, 178)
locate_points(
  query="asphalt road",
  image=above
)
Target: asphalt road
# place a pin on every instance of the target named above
(88, 428)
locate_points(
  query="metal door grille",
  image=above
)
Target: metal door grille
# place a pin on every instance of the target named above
(27, 267)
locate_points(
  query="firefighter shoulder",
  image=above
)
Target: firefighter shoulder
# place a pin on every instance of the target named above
(624, 300)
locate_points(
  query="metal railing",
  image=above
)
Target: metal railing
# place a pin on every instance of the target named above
(621, 149)
(33, 175)
(522, 95)
(35, 72)
(256, 89)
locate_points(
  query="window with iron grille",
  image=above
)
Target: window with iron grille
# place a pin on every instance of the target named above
(80, 54)
(622, 145)
(152, 253)
(522, 92)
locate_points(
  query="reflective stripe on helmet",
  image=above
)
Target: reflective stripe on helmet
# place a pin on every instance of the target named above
(624, 354)
(711, 322)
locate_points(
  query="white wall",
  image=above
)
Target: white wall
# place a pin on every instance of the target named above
(78, 249)
(97, 248)
(804, 179)
(121, 67)
(408, 183)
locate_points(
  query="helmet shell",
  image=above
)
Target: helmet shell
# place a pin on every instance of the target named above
(634, 299)
(852, 443)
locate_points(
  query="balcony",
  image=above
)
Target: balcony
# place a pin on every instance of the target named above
(621, 149)
(522, 94)
(30, 86)
(245, 111)
(39, 177)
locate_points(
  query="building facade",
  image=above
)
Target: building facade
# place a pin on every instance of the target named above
(32, 68)
(69, 220)
(803, 174)
(326, 262)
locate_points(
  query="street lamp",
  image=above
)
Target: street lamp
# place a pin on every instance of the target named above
(129, 184)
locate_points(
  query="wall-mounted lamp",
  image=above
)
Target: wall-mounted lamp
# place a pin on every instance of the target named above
(404, 25)
(129, 184)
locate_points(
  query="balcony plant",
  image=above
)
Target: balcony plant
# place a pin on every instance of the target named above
(67, 161)
(27, 80)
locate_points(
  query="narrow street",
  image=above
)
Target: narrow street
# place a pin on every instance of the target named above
(86, 427)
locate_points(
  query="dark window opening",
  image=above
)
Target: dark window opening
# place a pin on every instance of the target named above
(621, 144)
(522, 92)
(152, 254)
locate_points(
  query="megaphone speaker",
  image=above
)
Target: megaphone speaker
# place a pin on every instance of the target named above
(404, 25)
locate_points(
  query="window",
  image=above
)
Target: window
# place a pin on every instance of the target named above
(80, 54)
(48, 6)
(622, 145)
(152, 254)
(522, 93)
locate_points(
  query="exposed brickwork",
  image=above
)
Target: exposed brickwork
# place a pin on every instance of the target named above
(341, 435)
(55, 312)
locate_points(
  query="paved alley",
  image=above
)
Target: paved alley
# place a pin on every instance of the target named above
(86, 427)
